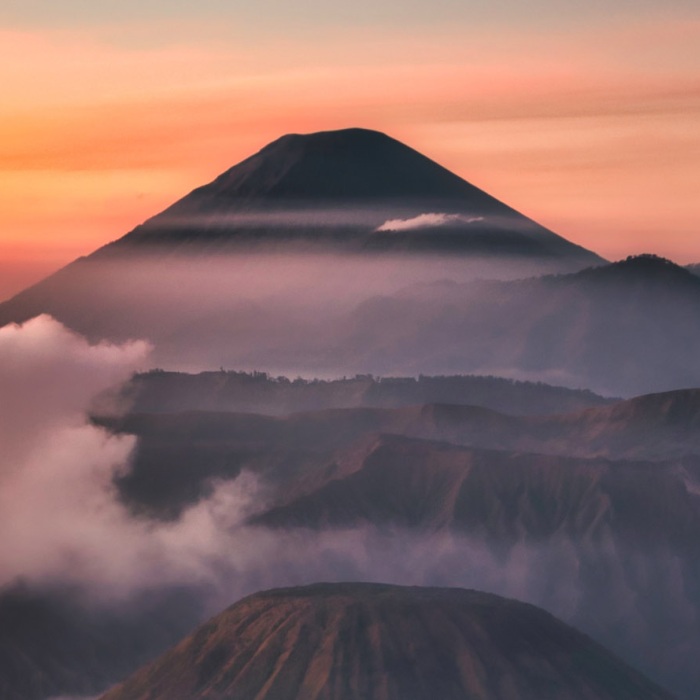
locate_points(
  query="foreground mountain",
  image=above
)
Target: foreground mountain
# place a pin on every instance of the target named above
(377, 642)
(436, 494)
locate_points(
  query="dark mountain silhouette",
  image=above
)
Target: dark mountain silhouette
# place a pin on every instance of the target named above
(350, 164)
(694, 268)
(346, 641)
(642, 270)
(337, 189)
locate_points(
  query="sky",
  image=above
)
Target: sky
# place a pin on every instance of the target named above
(581, 115)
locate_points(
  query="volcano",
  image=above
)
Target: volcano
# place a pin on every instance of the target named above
(354, 190)
(275, 249)
(380, 642)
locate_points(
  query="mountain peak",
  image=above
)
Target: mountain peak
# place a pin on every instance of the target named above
(352, 136)
(343, 166)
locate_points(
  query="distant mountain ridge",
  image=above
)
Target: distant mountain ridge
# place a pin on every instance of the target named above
(160, 391)
(622, 329)
(627, 328)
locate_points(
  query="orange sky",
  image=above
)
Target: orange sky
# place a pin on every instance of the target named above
(593, 130)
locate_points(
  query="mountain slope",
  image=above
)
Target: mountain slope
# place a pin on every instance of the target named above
(627, 328)
(609, 546)
(179, 453)
(506, 496)
(376, 642)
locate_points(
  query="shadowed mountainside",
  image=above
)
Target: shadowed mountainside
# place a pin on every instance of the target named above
(505, 496)
(626, 328)
(179, 453)
(345, 641)
(609, 545)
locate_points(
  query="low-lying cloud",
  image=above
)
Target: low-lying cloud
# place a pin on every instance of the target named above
(56, 468)
(428, 220)
(60, 514)
(47, 377)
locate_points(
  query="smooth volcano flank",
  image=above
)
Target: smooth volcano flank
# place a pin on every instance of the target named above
(353, 190)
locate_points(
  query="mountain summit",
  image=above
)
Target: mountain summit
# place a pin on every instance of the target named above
(341, 166)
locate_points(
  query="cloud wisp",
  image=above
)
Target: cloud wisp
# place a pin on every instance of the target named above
(428, 220)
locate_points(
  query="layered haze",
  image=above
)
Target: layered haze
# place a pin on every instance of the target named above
(265, 504)
(343, 360)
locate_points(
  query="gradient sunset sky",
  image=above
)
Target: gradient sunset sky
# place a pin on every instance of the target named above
(584, 116)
